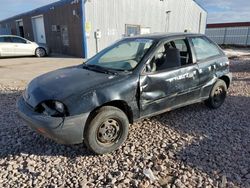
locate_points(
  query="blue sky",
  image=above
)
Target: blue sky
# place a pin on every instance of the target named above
(218, 10)
(10, 8)
(227, 10)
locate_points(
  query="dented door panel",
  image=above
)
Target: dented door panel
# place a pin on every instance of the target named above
(157, 91)
(168, 89)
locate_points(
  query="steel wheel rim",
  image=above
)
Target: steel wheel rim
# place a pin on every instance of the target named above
(109, 131)
(219, 96)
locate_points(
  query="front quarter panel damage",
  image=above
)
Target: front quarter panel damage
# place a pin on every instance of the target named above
(121, 89)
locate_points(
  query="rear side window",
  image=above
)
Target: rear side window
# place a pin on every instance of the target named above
(18, 40)
(5, 39)
(204, 49)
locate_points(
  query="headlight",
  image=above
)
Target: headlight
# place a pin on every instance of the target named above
(59, 107)
(53, 108)
(26, 94)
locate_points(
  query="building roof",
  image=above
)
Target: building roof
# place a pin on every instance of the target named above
(200, 5)
(234, 24)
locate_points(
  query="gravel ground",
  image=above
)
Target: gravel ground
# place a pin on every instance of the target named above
(189, 147)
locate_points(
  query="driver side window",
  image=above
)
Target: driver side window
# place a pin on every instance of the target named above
(170, 55)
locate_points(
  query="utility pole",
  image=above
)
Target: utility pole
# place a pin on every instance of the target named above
(167, 20)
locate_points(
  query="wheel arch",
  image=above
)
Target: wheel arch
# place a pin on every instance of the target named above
(120, 104)
(226, 79)
(41, 48)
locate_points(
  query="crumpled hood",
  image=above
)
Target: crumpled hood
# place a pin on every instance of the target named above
(62, 83)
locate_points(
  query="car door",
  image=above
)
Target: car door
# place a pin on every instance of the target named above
(22, 47)
(171, 87)
(6, 46)
(208, 58)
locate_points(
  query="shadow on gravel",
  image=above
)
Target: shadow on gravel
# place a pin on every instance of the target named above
(242, 66)
(222, 143)
(17, 138)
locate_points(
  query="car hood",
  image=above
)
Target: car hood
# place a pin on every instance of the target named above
(63, 83)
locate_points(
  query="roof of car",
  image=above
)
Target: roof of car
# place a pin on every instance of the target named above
(159, 36)
(9, 36)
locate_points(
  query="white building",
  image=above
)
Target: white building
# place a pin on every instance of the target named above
(83, 27)
(117, 18)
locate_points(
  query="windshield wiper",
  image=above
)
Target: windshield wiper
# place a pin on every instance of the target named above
(98, 69)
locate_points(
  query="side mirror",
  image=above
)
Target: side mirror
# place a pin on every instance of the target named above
(150, 66)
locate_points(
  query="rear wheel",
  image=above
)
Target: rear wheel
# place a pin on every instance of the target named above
(107, 131)
(40, 52)
(218, 95)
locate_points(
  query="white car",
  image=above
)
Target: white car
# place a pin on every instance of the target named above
(11, 45)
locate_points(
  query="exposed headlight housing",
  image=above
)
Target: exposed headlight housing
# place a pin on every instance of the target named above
(26, 95)
(53, 108)
(59, 107)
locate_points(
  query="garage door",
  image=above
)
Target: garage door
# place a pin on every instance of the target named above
(38, 29)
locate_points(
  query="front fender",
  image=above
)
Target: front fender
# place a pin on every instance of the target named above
(123, 90)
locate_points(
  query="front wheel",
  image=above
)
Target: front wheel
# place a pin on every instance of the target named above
(40, 52)
(218, 95)
(107, 131)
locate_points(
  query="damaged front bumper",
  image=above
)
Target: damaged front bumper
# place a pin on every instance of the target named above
(63, 130)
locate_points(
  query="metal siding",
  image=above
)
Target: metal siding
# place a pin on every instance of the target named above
(217, 35)
(236, 36)
(110, 16)
(5, 31)
(229, 35)
(248, 38)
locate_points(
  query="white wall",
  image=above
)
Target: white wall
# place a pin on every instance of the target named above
(110, 16)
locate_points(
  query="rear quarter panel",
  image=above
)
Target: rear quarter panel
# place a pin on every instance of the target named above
(210, 71)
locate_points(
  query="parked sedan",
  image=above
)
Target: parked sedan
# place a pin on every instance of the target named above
(133, 79)
(11, 45)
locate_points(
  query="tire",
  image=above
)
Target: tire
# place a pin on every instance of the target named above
(107, 131)
(40, 52)
(218, 95)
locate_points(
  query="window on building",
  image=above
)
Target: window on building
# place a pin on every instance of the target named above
(132, 30)
(204, 49)
(1, 39)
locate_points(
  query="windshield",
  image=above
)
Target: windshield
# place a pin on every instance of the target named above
(123, 55)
